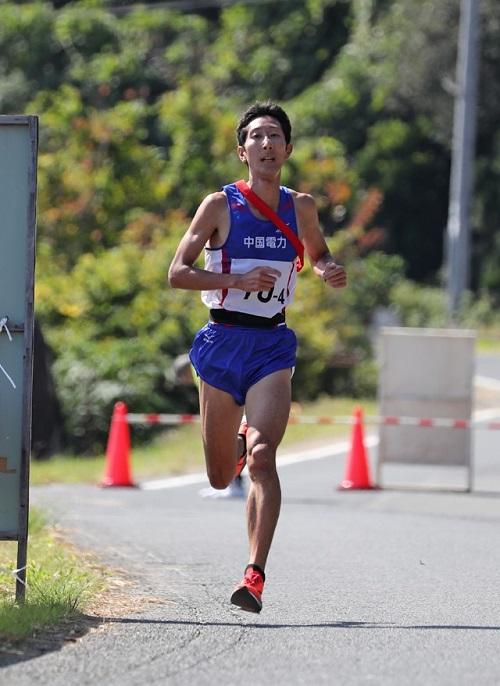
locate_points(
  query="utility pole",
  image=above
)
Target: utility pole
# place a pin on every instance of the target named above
(464, 133)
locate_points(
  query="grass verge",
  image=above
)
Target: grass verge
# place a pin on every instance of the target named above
(61, 582)
(488, 346)
(179, 450)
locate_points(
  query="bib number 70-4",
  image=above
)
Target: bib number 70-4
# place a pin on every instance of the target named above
(266, 296)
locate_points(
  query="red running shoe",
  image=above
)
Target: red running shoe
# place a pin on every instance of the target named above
(248, 595)
(242, 460)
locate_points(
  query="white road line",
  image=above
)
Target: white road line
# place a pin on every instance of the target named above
(486, 415)
(174, 482)
(283, 461)
(487, 382)
(292, 458)
(324, 451)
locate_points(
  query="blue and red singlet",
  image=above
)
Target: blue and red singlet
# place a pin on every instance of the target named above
(229, 353)
(251, 243)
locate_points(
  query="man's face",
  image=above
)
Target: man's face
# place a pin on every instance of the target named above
(265, 149)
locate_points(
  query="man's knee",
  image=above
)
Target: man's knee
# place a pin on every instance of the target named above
(261, 460)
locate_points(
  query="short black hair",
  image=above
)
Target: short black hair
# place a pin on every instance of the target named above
(263, 109)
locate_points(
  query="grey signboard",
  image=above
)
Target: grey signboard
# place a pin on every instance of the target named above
(18, 158)
(426, 374)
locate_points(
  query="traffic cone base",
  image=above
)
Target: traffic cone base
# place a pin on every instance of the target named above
(117, 472)
(347, 485)
(357, 474)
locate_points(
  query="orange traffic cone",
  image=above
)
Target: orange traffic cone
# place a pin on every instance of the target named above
(357, 473)
(118, 450)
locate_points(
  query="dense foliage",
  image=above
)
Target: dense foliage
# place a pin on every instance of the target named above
(138, 111)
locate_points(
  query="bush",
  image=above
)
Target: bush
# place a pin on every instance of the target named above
(419, 306)
(115, 327)
(364, 379)
(477, 311)
(426, 306)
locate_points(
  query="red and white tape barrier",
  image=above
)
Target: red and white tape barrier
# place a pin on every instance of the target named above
(424, 422)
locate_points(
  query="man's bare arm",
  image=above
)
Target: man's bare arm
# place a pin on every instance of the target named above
(315, 245)
(210, 217)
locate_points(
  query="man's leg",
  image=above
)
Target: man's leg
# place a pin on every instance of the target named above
(220, 419)
(267, 410)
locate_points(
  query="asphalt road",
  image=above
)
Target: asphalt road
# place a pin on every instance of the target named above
(394, 586)
(488, 365)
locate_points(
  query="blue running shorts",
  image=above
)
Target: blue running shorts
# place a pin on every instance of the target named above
(234, 358)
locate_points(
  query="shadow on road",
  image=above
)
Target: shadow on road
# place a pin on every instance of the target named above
(319, 625)
(47, 640)
(56, 638)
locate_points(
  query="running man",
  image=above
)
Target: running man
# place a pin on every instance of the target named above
(245, 355)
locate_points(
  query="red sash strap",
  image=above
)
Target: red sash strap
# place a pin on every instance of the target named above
(264, 209)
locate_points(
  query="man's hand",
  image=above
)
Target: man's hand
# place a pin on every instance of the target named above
(258, 279)
(335, 275)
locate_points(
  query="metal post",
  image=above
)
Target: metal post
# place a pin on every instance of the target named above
(29, 319)
(464, 131)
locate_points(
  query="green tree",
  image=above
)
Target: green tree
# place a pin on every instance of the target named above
(201, 152)
(95, 169)
(30, 56)
(275, 50)
(115, 328)
(412, 172)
